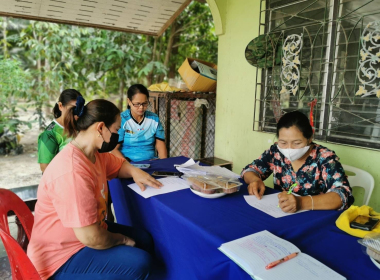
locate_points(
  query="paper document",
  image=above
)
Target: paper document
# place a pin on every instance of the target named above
(186, 164)
(169, 185)
(257, 250)
(193, 168)
(254, 252)
(268, 204)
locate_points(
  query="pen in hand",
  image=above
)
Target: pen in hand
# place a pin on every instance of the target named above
(273, 264)
(290, 190)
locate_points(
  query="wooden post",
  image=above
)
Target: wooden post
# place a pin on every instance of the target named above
(167, 120)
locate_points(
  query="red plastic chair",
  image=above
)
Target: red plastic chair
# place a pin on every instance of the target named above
(22, 267)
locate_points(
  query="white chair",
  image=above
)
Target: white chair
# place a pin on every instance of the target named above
(360, 178)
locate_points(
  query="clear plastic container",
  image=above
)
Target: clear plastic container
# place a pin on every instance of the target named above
(210, 184)
(371, 247)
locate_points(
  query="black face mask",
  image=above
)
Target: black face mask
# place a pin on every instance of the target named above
(109, 146)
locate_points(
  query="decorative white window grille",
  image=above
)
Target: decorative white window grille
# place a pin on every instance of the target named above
(290, 70)
(369, 62)
(330, 52)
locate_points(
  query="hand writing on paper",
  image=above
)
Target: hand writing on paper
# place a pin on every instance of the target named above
(143, 179)
(288, 202)
(256, 188)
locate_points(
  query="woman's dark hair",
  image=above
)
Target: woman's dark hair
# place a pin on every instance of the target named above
(65, 97)
(98, 110)
(135, 89)
(298, 119)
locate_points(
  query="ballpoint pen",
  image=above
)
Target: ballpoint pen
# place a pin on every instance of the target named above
(273, 264)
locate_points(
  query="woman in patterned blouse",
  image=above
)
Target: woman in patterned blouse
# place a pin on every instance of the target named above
(311, 170)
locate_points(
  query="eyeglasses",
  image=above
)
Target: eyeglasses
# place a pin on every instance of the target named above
(137, 105)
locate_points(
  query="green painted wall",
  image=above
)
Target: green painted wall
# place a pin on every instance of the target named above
(235, 138)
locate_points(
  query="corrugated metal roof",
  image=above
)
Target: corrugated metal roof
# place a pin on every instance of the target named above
(150, 17)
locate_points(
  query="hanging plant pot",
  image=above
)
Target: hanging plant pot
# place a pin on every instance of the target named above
(263, 52)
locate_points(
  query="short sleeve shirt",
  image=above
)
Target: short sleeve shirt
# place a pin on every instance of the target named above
(73, 193)
(138, 139)
(50, 142)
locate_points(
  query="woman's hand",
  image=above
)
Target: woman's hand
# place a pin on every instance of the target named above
(255, 184)
(288, 202)
(96, 237)
(129, 241)
(142, 178)
(256, 188)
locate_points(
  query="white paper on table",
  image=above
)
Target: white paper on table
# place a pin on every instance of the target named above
(268, 204)
(186, 164)
(169, 185)
(193, 168)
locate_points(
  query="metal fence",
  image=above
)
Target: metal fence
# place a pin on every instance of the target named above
(189, 130)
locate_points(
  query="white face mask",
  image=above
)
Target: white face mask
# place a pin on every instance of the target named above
(294, 154)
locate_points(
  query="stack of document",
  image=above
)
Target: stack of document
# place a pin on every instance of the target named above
(193, 168)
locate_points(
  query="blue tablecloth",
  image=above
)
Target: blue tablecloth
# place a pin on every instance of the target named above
(188, 229)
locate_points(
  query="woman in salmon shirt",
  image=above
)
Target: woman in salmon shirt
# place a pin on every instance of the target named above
(71, 238)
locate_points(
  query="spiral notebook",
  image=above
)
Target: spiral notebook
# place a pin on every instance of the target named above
(254, 252)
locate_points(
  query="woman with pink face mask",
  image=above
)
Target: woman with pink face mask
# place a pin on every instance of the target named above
(305, 168)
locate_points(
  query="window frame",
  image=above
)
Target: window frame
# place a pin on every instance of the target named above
(326, 109)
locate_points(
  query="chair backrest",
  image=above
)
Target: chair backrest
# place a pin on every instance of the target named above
(360, 178)
(11, 202)
(22, 267)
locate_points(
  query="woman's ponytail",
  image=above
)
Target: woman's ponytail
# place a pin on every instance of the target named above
(56, 112)
(69, 123)
(65, 98)
(81, 117)
(72, 115)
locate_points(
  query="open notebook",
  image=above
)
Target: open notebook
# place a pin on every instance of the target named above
(254, 252)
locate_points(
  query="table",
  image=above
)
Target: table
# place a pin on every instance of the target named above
(188, 229)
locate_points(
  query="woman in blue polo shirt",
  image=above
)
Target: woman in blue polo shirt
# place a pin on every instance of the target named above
(141, 132)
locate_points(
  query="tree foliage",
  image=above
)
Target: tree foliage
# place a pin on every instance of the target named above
(41, 59)
(14, 85)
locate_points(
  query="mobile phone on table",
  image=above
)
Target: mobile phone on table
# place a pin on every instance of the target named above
(141, 166)
(167, 174)
(364, 223)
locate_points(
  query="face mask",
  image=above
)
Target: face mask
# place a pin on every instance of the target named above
(109, 146)
(294, 154)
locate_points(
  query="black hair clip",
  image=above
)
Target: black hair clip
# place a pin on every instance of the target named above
(79, 106)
